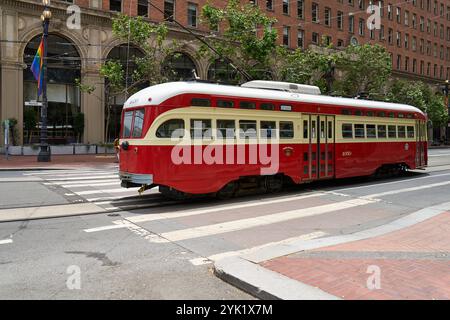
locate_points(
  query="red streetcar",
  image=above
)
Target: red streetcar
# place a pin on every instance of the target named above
(202, 138)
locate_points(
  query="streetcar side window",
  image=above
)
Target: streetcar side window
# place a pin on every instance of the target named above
(359, 131)
(225, 104)
(247, 129)
(305, 129)
(347, 131)
(410, 131)
(371, 131)
(201, 129)
(173, 128)
(286, 129)
(200, 102)
(138, 123)
(392, 132)
(401, 132)
(127, 121)
(226, 129)
(267, 106)
(268, 129)
(247, 105)
(358, 113)
(381, 131)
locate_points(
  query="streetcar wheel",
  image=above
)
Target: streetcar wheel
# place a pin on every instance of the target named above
(227, 191)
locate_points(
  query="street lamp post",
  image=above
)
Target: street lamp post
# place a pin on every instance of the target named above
(44, 153)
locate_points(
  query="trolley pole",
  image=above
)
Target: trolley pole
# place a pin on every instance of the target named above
(44, 153)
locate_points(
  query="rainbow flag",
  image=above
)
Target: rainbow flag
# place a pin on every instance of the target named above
(36, 66)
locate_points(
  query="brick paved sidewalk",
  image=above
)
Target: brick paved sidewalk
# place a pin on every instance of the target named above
(413, 263)
(58, 162)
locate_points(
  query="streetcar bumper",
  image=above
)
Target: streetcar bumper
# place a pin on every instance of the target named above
(129, 180)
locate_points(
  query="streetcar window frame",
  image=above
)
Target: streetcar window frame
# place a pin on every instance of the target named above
(358, 133)
(401, 131)
(266, 133)
(371, 131)
(410, 132)
(381, 131)
(347, 131)
(370, 114)
(381, 114)
(400, 115)
(127, 127)
(358, 113)
(225, 130)
(244, 132)
(346, 112)
(201, 102)
(267, 106)
(287, 130)
(168, 133)
(248, 105)
(205, 130)
(305, 129)
(392, 132)
(140, 124)
(222, 103)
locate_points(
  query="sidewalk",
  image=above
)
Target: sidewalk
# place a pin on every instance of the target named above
(406, 259)
(58, 162)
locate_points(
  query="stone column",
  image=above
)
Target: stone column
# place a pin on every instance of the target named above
(11, 73)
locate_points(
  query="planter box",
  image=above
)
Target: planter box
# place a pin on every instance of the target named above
(61, 150)
(101, 150)
(86, 149)
(15, 150)
(29, 151)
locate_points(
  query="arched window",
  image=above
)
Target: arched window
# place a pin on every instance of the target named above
(221, 71)
(178, 67)
(63, 67)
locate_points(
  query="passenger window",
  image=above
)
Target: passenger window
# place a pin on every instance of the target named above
(138, 123)
(401, 132)
(359, 131)
(410, 131)
(322, 129)
(225, 104)
(127, 120)
(173, 128)
(201, 129)
(401, 115)
(381, 131)
(267, 106)
(370, 113)
(226, 129)
(371, 131)
(286, 129)
(409, 116)
(347, 131)
(305, 129)
(346, 112)
(330, 130)
(247, 105)
(268, 129)
(391, 115)
(358, 113)
(313, 129)
(381, 114)
(247, 129)
(200, 102)
(392, 132)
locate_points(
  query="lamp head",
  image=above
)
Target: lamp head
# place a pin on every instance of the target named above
(47, 14)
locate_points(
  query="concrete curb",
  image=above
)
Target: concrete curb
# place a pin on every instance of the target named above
(245, 272)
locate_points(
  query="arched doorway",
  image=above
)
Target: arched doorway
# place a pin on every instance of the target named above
(222, 71)
(63, 67)
(178, 67)
(126, 56)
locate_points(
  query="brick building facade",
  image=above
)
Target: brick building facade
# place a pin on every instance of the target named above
(415, 32)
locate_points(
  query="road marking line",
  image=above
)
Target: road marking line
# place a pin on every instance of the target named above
(115, 183)
(111, 227)
(80, 174)
(80, 193)
(215, 257)
(83, 178)
(439, 155)
(388, 193)
(58, 172)
(6, 241)
(133, 200)
(392, 182)
(59, 183)
(236, 225)
(211, 209)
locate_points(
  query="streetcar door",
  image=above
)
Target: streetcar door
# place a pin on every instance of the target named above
(320, 154)
(420, 144)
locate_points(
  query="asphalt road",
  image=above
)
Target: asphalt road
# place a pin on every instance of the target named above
(165, 250)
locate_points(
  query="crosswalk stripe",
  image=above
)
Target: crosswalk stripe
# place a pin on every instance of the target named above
(82, 181)
(236, 225)
(104, 228)
(80, 174)
(53, 172)
(6, 241)
(115, 183)
(388, 193)
(215, 257)
(186, 213)
(84, 178)
(86, 192)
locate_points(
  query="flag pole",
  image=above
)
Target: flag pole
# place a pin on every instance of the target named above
(44, 153)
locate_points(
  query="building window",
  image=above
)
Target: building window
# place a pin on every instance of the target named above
(414, 21)
(361, 27)
(406, 41)
(422, 24)
(301, 9)
(390, 36)
(399, 38)
(285, 6)
(328, 17)
(300, 39)
(406, 63)
(315, 37)
(286, 36)
(351, 24)
(381, 32)
(399, 62)
(142, 8)
(169, 9)
(414, 66)
(192, 15)
(406, 18)
(115, 5)
(340, 20)
(269, 5)
(389, 9)
(315, 12)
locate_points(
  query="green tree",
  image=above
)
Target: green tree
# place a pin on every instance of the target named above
(366, 68)
(29, 122)
(247, 39)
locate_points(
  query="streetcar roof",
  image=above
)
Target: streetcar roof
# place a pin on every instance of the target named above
(159, 93)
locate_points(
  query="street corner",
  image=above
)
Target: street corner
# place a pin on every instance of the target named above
(408, 264)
